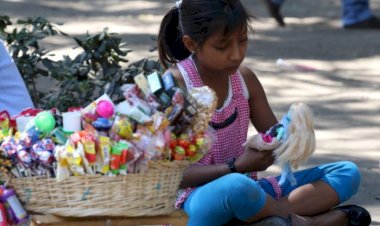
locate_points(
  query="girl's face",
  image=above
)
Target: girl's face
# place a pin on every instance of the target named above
(222, 54)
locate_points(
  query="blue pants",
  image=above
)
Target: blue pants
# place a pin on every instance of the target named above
(353, 11)
(238, 196)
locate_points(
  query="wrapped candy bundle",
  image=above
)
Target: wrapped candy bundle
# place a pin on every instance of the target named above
(158, 120)
(110, 159)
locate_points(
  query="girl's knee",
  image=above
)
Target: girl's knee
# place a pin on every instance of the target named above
(353, 172)
(350, 178)
(244, 196)
(233, 195)
(239, 185)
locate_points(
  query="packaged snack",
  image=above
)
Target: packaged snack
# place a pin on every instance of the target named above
(74, 160)
(89, 148)
(3, 217)
(103, 154)
(142, 83)
(115, 159)
(133, 112)
(62, 171)
(206, 103)
(86, 164)
(12, 203)
(122, 128)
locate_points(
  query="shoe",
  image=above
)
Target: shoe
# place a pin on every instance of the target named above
(370, 23)
(357, 216)
(274, 11)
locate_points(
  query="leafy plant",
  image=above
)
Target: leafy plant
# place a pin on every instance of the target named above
(99, 68)
(4, 22)
(24, 47)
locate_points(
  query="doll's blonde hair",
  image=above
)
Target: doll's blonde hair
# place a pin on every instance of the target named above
(300, 141)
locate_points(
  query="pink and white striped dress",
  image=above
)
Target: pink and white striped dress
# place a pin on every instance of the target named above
(230, 122)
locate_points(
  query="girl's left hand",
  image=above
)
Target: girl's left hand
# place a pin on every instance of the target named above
(253, 160)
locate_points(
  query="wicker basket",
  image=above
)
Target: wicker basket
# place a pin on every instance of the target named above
(144, 194)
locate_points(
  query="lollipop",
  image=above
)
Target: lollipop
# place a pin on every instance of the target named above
(45, 121)
(104, 109)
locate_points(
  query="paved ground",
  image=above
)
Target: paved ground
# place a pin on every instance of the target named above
(343, 91)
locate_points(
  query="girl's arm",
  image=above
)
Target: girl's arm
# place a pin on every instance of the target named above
(261, 114)
(249, 161)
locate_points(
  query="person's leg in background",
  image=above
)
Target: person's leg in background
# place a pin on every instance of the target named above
(356, 14)
(274, 7)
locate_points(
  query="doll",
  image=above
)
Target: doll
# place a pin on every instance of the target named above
(292, 140)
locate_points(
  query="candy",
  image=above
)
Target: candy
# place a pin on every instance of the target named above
(45, 121)
(104, 109)
(24, 157)
(102, 123)
(115, 159)
(179, 153)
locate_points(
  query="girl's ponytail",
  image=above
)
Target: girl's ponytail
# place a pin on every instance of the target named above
(170, 46)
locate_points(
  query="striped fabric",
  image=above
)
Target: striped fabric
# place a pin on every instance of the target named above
(276, 187)
(229, 122)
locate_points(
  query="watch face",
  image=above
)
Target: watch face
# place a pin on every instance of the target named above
(231, 165)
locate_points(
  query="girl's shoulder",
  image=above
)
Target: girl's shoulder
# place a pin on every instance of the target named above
(249, 77)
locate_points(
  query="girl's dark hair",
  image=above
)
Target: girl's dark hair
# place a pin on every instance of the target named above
(199, 19)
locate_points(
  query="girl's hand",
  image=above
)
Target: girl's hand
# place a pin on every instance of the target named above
(253, 160)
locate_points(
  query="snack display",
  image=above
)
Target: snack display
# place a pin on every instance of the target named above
(158, 126)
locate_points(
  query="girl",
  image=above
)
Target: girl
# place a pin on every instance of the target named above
(206, 41)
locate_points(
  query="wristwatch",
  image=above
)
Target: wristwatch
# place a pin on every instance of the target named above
(231, 165)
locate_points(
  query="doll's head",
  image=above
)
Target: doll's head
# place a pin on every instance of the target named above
(298, 142)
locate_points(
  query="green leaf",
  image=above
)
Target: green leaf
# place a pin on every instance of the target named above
(78, 41)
